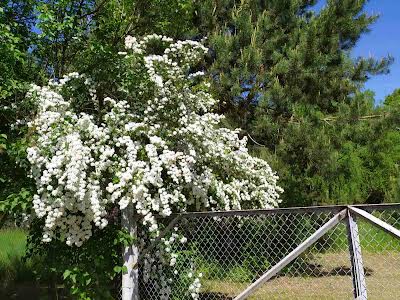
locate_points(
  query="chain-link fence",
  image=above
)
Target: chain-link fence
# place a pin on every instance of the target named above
(305, 253)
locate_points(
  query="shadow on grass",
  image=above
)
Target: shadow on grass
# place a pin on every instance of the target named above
(317, 270)
(214, 296)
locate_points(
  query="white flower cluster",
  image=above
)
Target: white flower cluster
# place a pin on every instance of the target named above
(160, 270)
(194, 288)
(170, 156)
(163, 152)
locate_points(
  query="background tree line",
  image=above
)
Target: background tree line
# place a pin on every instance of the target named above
(282, 72)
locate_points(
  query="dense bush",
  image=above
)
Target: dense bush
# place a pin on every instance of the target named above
(152, 144)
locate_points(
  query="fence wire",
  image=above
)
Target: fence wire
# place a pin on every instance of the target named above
(228, 251)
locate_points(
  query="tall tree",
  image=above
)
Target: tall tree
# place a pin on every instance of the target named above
(17, 69)
(282, 71)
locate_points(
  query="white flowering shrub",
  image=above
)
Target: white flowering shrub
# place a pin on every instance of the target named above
(153, 142)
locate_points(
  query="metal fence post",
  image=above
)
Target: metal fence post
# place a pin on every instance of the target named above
(357, 267)
(130, 278)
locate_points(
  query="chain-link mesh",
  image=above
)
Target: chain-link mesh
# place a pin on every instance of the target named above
(229, 251)
(381, 256)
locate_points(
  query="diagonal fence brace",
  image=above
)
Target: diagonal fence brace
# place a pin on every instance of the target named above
(293, 255)
(375, 221)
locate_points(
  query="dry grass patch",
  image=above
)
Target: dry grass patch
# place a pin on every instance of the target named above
(331, 281)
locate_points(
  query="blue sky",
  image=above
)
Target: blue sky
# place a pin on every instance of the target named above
(383, 39)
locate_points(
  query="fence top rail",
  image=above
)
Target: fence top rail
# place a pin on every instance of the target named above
(290, 210)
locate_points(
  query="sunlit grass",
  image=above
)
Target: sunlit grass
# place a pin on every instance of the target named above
(372, 238)
(12, 245)
(13, 269)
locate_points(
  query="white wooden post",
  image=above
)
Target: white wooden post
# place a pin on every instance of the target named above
(130, 278)
(357, 267)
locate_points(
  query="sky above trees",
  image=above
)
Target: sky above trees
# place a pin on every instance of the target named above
(381, 41)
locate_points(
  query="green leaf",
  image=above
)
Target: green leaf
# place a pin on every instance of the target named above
(66, 274)
(88, 281)
(117, 269)
(73, 278)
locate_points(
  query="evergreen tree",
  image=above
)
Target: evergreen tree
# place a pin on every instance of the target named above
(282, 71)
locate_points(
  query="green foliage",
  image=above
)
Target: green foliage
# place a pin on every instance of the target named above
(13, 270)
(283, 73)
(3, 143)
(13, 55)
(12, 243)
(90, 272)
(393, 100)
(17, 69)
(16, 204)
(278, 69)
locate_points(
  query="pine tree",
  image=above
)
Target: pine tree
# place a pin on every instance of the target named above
(281, 71)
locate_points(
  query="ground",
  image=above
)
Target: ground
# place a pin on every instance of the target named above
(320, 275)
(383, 280)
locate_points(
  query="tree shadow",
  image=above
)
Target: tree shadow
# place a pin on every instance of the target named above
(317, 270)
(214, 296)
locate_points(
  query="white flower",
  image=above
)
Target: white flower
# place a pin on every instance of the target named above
(158, 146)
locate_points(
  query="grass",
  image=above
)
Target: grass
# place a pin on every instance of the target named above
(322, 273)
(15, 273)
(12, 245)
(372, 239)
(383, 280)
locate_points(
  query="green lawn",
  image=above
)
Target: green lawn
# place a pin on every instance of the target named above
(12, 245)
(13, 270)
(372, 239)
(17, 277)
